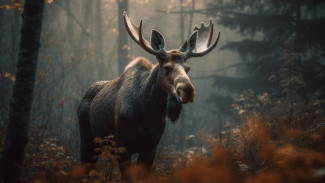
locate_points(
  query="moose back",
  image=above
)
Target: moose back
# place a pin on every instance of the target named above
(133, 107)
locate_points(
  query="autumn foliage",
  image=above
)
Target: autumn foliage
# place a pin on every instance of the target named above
(259, 148)
(275, 138)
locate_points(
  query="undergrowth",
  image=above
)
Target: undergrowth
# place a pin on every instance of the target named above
(276, 138)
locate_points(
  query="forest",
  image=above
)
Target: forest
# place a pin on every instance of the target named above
(255, 111)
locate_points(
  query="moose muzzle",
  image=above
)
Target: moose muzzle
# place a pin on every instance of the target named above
(185, 91)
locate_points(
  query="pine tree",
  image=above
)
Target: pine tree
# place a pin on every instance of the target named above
(265, 26)
(291, 81)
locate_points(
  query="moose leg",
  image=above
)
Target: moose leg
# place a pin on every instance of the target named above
(146, 159)
(124, 162)
(87, 145)
(87, 153)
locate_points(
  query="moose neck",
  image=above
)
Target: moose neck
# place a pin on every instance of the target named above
(156, 100)
(153, 96)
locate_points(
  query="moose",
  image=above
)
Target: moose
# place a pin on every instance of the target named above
(134, 106)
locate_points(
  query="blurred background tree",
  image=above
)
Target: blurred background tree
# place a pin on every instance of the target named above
(269, 62)
(13, 150)
(265, 26)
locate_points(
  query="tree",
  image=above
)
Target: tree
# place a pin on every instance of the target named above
(291, 81)
(266, 26)
(21, 102)
(122, 48)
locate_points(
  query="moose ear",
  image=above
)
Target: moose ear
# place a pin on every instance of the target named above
(157, 41)
(190, 43)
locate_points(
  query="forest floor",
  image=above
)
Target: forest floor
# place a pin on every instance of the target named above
(246, 154)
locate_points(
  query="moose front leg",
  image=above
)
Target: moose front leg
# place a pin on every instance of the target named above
(151, 140)
(124, 161)
(146, 159)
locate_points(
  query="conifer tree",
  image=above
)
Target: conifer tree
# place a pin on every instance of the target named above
(266, 26)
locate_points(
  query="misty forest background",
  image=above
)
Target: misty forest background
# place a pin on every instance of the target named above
(259, 95)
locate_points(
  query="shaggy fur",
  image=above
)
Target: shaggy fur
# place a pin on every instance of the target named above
(132, 107)
(174, 108)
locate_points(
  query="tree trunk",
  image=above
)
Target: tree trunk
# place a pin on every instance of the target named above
(298, 46)
(182, 21)
(99, 41)
(122, 51)
(182, 118)
(190, 28)
(12, 156)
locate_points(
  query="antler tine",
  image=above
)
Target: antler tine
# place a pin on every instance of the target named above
(144, 43)
(203, 42)
(207, 50)
(132, 29)
(136, 34)
(204, 35)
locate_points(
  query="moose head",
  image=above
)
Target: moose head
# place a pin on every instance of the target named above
(173, 68)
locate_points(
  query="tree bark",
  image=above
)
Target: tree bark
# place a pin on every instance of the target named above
(122, 51)
(12, 156)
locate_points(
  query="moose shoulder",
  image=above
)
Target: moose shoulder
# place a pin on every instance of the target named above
(133, 107)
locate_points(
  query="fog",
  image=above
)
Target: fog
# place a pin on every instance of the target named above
(80, 45)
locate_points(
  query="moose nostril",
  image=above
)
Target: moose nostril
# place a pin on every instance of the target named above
(185, 92)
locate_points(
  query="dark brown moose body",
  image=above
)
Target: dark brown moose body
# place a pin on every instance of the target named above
(133, 107)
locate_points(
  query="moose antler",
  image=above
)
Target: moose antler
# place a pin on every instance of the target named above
(202, 37)
(157, 46)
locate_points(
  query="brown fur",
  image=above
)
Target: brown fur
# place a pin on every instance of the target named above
(133, 108)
